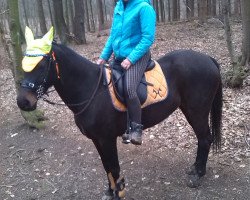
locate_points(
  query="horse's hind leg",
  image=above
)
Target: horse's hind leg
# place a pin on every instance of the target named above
(199, 122)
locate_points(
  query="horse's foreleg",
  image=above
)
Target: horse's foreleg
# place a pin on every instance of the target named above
(108, 151)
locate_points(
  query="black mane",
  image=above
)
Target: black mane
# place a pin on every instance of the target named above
(62, 51)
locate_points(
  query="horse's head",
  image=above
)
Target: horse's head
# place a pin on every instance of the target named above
(36, 65)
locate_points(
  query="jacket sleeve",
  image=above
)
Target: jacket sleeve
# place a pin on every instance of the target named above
(108, 49)
(148, 28)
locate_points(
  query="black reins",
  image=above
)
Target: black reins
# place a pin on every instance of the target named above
(92, 96)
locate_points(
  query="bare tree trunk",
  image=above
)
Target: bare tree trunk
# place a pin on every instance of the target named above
(71, 15)
(41, 17)
(50, 13)
(157, 10)
(105, 10)
(190, 9)
(86, 12)
(237, 7)
(246, 33)
(213, 7)
(175, 10)
(66, 13)
(92, 21)
(235, 76)
(25, 13)
(100, 14)
(202, 11)
(169, 11)
(15, 34)
(61, 27)
(79, 29)
(162, 10)
(35, 118)
(228, 32)
(229, 7)
(5, 45)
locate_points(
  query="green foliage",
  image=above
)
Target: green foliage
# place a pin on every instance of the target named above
(35, 119)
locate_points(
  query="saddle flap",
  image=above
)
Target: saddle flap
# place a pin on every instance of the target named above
(154, 82)
(117, 78)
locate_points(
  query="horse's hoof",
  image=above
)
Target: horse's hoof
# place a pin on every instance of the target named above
(126, 138)
(108, 195)
(191, 170)
(126, 141)
(193, 181)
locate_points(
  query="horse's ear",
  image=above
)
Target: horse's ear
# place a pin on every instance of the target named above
(29, 37)
(48, 37)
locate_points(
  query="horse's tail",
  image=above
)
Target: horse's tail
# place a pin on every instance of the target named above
(216, 114)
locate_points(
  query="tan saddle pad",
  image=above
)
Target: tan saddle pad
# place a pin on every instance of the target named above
(157, 92)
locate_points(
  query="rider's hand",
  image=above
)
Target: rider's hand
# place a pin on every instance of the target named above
(126, 64)
(101, 61)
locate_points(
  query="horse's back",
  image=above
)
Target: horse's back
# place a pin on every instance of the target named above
(189, 67)
(191, 75)
(188, 61)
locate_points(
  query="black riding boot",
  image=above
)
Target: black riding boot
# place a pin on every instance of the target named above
(136, 133)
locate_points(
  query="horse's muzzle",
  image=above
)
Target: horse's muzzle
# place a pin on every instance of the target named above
(26, 100)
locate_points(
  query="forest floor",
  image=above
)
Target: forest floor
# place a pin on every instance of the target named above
(59, 163)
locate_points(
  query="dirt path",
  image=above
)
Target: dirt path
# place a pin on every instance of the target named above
(50, 164)
(59, 163)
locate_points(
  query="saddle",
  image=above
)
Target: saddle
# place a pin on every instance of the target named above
(117, 78)
(152, 88)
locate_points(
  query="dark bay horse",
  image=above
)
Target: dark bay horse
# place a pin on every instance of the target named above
(194, 83)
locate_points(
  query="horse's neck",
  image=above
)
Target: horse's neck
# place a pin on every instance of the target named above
(78, 76)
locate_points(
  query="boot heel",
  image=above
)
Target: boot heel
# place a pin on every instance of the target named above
(136, 133)
(126, 137)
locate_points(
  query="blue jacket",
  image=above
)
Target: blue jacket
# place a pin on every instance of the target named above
(132, 32)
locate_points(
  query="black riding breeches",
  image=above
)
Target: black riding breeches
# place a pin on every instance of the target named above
(134, 75)
(132, 79)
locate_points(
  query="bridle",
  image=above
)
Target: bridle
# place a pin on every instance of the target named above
(40, 88)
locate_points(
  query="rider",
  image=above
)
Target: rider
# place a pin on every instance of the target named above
(132, 34)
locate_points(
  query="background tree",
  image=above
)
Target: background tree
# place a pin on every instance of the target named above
(175, 10)
(100, 15)
(25, 13)
(202, 10)
(162, 10)
(235, 76)
(15, 34)
(60, 24)
(91, 16)
(79, 29)
(245, 61)
(228, 32)
(190, 8)
(41, 16)
(34, 118)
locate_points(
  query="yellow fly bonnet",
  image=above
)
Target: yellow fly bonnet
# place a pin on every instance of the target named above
(36, 48)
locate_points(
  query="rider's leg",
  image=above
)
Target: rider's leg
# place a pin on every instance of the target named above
(133, 77)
